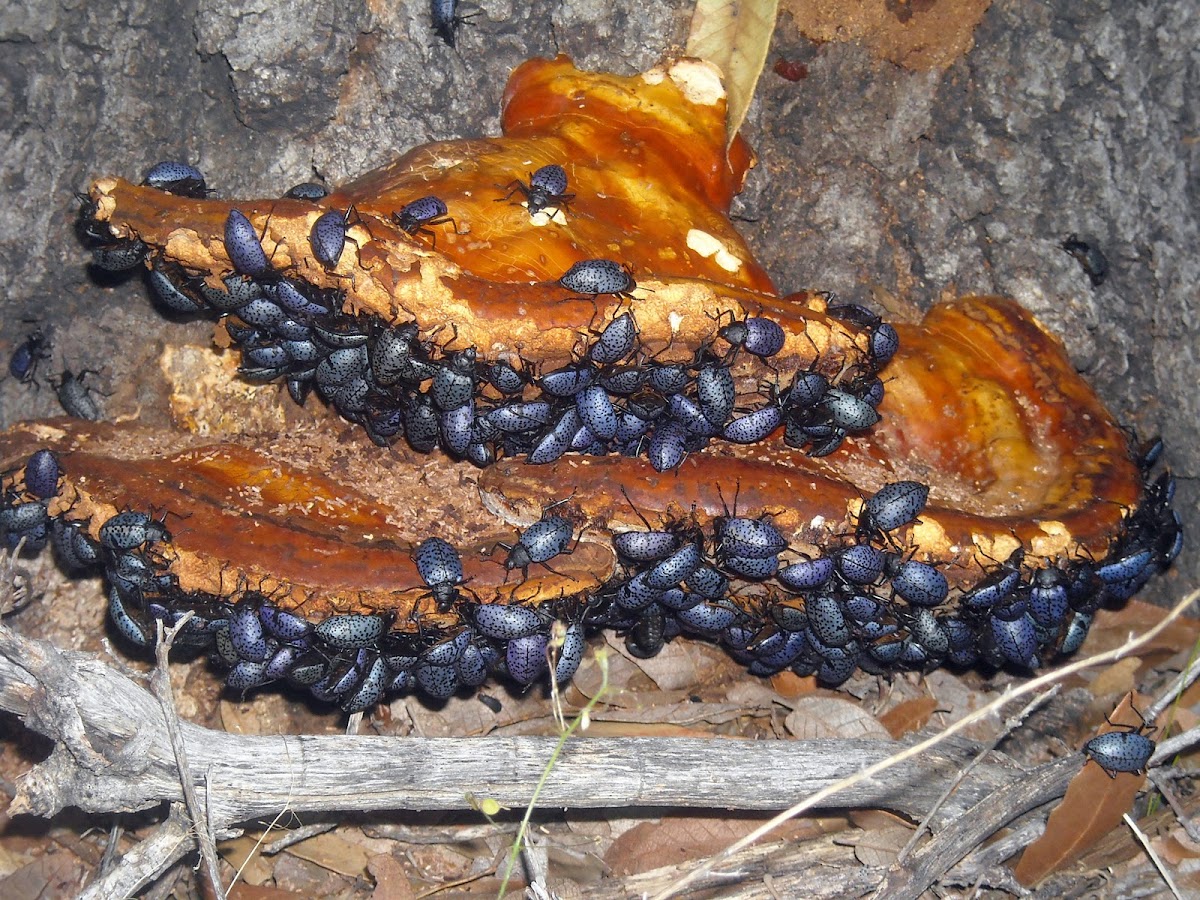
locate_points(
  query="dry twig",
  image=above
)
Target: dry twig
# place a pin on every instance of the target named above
(160, 683)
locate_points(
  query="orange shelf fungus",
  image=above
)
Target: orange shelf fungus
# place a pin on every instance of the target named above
(599, 410)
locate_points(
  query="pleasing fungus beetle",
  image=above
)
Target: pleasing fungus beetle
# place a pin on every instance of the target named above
(571, 654)
(892, 506)
(352, 631)
(715, 392)
(751, 428)
(120, 255)
(75, 396)
(506, 623)
(446, 20)
(307, 190)
(441, 569)
(127, 626)
(849, 412)
(645, 546)
(615, 342)
(177, 178)
(41, 474)
(24, 361)
(593, 277)
(756, 335)
(416, 217)
(884, 343)
(738, 536)
(131, 529)
(243, 245)
(526, 657)
(547, 187)
(917, 582)
(1126, 750)
(539, 543)
(328, 236)
(861, 564)
(169, 293)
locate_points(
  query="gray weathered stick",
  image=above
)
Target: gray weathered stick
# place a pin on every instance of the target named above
(112, 754)
(148, 860)
(969, 830)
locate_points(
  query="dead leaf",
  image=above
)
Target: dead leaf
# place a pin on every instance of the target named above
(871, 819)
(1117, 679)
(55, 874)
(1092, 807)
(790, 685)
(881, 846)
(908, 716)
(603, 728)
(242, 854)
(1113, 627)
(817, 717)
(1175, 847)
(735, 35)
(391, 881)
(333, 852)
(242, 891)
(676, 667)
(681, 838)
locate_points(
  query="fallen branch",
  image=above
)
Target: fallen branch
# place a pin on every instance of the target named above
(112, 753)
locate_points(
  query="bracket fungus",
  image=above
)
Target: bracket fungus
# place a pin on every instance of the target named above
(595, 400)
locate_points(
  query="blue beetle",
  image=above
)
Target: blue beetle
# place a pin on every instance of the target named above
(307, 190)
(177, 178)
(1127, 749)
(598, 276)
(441, 569)
(24, 361)
(547, 187)
(416, 217)
(328, 236)
(243, 245)
(539, 543)
(446, 19)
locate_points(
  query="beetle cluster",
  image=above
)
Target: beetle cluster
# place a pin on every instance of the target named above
(24, 515)
(857, 602)
(734, 580)
(864, 605)
(614, 398)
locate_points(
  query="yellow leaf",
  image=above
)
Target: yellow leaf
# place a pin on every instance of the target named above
(735, 35)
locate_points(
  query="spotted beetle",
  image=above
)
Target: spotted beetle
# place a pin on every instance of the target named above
(446, 20)
(416, 217)
(177, 178)
(76, 397)
(547, 188)
(1090, 257)
(307, 190)
(243, 245)
(441, 569)
(1125, 750)
(539, 543)
(593, 277)
(328, 236)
